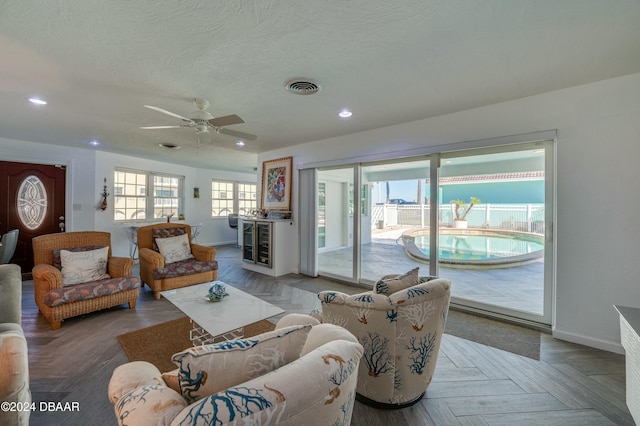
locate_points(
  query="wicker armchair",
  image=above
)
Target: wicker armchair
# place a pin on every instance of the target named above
(58, 302)
(160, 276)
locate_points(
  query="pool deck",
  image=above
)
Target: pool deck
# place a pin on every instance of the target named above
(413, 251)
(520, 287)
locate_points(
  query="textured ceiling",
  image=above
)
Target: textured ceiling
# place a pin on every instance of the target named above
(98, 62)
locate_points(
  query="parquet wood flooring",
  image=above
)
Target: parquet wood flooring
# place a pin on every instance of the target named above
(473, 384)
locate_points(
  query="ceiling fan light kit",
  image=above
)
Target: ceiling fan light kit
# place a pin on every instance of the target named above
(201, 120)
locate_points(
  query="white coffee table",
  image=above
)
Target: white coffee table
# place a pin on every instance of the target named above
(215, 320)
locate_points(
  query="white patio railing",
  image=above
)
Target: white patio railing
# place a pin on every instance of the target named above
(514, 217)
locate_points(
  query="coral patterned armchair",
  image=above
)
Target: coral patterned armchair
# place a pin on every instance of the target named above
(298, 374)
(168, 258)
(400, 325)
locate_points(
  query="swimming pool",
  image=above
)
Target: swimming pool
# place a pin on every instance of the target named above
(476, 248)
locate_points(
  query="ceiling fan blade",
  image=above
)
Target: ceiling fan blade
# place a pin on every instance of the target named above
(227, 120)
(162, 127)
(164, 111)
(235, 133)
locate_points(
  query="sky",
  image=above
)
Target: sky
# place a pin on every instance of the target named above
(405, 189)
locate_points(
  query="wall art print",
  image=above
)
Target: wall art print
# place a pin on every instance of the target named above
(276, 184)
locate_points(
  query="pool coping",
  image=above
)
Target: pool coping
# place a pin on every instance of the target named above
(414, 252)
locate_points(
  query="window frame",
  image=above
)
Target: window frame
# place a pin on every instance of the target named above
(149, 194)
(236, 201)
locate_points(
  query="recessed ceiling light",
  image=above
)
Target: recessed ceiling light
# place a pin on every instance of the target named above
(240, 143)
(345, 113)
(169, 146)
(94, 142)
(37, 101)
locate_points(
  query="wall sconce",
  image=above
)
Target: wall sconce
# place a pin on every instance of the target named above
(105, 194)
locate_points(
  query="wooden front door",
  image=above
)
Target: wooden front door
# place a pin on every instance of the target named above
(32, 200)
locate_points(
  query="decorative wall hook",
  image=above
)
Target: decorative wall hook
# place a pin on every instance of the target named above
(105, 194)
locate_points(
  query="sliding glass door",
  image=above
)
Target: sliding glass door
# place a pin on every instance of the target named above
(479, 217)
(399, 207)
(494, 244)
(335, 223)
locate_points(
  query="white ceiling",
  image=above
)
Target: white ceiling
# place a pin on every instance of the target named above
(98, 62)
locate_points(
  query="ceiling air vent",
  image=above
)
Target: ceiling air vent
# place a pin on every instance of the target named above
(302, 87)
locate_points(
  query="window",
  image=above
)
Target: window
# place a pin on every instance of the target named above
(247, 199)
(221, 198)
(166, 190)
(232, 197)
(130, 188)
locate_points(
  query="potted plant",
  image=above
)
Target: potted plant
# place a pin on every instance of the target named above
(462, 210)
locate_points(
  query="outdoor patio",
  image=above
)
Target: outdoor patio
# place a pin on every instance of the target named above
(519, 288)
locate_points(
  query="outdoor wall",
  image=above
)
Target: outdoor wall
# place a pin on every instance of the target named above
(598, 129)
(524, 192)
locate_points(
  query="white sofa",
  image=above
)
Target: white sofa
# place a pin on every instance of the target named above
(14, 360)
(302, 373)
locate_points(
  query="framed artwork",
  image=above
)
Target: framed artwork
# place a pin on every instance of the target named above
(276, 184)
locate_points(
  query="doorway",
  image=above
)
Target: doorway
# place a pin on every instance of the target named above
(33, 202)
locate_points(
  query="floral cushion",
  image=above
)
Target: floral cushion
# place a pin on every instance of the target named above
(205, 370)
(85, 291)
(57, 261)
(166, 233)
(184, 267)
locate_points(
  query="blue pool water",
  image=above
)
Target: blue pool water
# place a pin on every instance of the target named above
(478, 247)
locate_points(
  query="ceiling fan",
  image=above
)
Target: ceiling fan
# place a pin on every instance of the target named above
(202, 120)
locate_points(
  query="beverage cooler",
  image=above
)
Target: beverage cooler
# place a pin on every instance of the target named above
(256, 243)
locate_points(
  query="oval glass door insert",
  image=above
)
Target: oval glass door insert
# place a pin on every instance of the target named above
(32, 202)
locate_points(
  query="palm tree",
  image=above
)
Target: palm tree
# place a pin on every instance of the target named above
(460, 204)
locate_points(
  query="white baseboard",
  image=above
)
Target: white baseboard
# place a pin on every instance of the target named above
(605, 345)
(219, 243)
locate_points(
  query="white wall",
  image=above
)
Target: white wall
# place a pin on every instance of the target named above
(86, 170)
(598, 149)
(215, 231)
(81, 191)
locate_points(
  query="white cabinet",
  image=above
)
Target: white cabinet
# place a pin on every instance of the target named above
(630, 337)
(268, 246)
